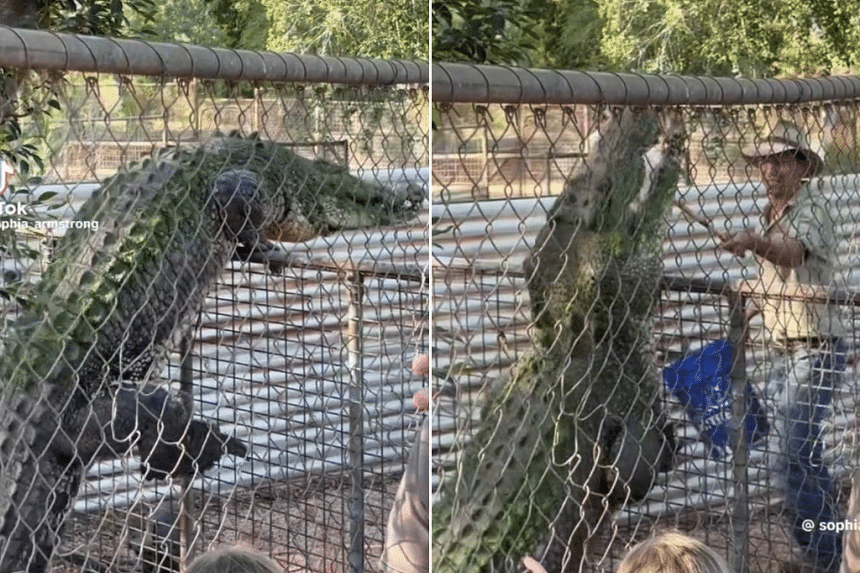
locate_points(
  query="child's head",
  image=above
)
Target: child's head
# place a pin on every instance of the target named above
(672, 553)
(233, 559)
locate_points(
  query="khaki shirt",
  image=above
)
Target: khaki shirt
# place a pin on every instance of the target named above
(785, 319)
(407, 537)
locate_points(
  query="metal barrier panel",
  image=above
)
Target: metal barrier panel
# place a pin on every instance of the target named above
(303, 362)
(573, 273)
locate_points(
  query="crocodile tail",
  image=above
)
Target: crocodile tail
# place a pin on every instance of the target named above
(40, 487)
(580, 515)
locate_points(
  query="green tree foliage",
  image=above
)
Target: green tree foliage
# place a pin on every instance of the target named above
(187, 21)
(752, 38)
(244, 23)
(571, 38)
(365, 28)
(486, 32)
(237, 24)
(96, 17)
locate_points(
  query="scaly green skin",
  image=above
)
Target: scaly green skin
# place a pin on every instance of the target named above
(577, 429)
(112, 301)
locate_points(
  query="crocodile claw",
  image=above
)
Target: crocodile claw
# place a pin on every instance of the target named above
(200, 448)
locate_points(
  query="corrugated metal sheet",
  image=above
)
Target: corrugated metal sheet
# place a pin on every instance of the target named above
(481, 314)
(270, 365)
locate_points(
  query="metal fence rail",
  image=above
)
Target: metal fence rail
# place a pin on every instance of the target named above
(507, 143)
(41, 50)
(470, 83)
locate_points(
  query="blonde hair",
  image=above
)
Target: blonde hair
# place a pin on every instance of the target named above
(233, 559)
(672, 553)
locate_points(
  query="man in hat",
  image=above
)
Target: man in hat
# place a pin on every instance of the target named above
(794, 236)
(796, 250)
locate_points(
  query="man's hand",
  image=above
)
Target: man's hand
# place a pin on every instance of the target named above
(777, 248)
(739, 243)
(421, 367)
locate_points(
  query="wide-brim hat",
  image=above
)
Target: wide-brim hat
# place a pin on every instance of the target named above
(784, 137)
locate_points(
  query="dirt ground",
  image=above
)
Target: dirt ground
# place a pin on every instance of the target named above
(304, 526)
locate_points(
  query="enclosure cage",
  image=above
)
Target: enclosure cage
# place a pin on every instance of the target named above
(506, 143)
(309, 368)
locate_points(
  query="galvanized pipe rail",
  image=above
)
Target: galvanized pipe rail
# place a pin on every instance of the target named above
(471, 83)
(43, 50)
(371, 269)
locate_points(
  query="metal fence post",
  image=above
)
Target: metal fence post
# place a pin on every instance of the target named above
(355, 368)
(740, 459)
(187, 511)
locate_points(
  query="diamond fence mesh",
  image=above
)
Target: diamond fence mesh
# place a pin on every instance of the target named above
(216, 279)
(611, 367)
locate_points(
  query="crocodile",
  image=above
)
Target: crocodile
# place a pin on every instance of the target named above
(79, 365)
(577, 429)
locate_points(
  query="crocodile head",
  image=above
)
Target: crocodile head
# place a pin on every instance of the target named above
(338, 201)
(313, 197)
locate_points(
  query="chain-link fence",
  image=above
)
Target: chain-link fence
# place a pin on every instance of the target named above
(620, 355)
(272, 394)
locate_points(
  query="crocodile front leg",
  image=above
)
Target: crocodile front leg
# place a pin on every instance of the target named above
(159, 425)
(242, 212)
(169, 442)
(43, 463)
